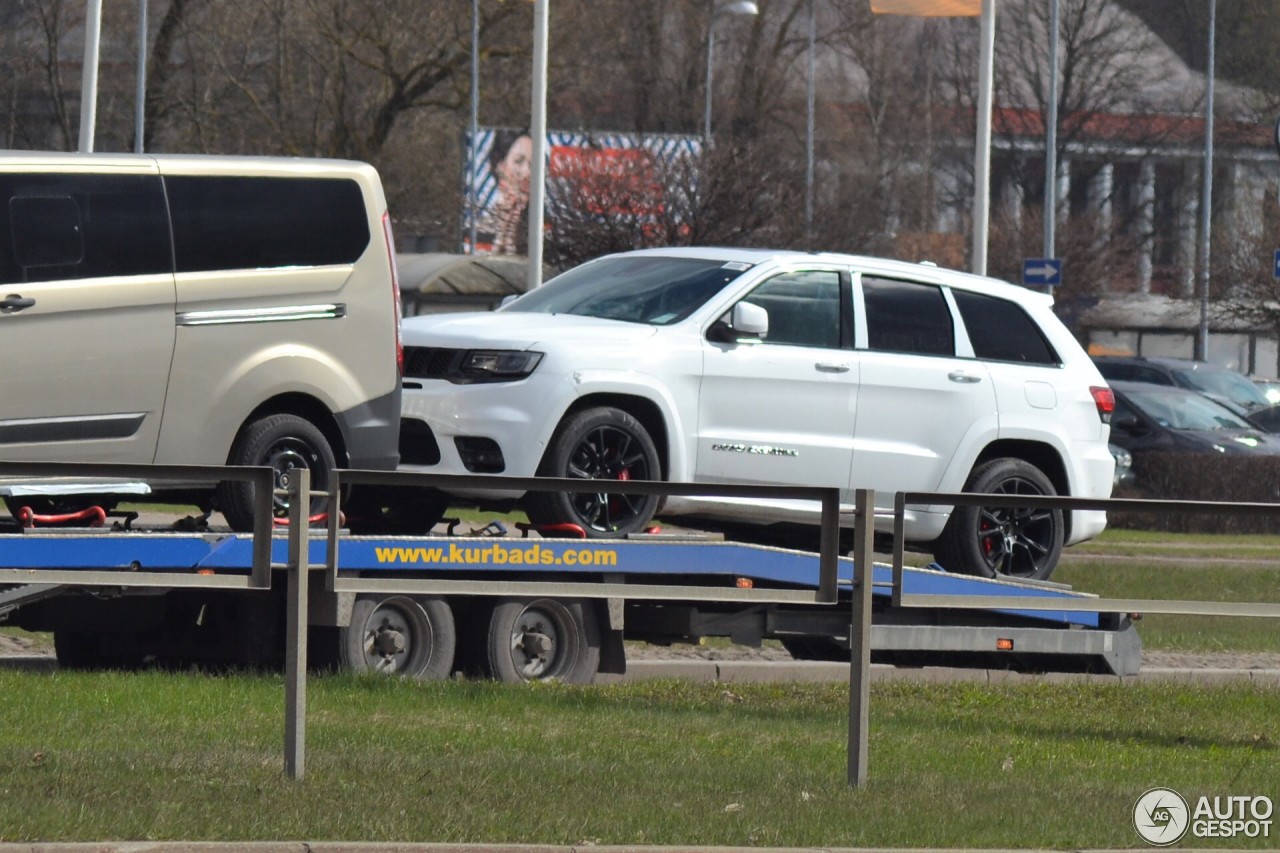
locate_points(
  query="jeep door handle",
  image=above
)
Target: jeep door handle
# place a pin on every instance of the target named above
(831, 367)
(13, 303)
(961, 376)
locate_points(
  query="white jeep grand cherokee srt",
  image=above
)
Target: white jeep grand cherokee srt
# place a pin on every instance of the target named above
(750, 366)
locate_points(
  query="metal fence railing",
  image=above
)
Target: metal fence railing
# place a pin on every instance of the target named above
(300, 537)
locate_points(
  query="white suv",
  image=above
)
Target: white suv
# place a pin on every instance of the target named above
(747, 366)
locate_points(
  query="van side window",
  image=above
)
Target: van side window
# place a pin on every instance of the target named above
(1001, 330)
(63, 227)
(227, 223)
(907, 316)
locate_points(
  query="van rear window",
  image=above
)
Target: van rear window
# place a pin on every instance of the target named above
(226, 223)
(56, 227)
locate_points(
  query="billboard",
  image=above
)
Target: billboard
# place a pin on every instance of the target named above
(602, 175)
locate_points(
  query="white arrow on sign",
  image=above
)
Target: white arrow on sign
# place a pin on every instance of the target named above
(1045, 271)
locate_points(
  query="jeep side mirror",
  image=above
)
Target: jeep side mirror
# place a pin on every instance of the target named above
(745, 324)
(749, 321)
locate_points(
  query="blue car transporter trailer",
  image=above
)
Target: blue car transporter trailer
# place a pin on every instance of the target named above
(120, 597)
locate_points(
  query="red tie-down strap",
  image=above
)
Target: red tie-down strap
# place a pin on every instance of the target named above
(96, 516)
(318, 518)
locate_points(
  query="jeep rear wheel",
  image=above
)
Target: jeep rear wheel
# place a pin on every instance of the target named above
(598, 444)
(1022, 542)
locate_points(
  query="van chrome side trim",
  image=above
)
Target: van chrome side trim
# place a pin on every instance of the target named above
(279, 314)
(76, 428)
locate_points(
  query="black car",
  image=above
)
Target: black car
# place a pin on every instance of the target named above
(1231, 389)
(1152, 417)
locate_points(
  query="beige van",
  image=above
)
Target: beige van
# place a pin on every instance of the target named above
(197, 310)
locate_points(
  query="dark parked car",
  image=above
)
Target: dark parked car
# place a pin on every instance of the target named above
(1231, 389)
(1151, 417)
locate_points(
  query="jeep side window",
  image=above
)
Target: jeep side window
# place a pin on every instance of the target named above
(1001, 331)
(64, 227)
(907, 317)
(804, 308)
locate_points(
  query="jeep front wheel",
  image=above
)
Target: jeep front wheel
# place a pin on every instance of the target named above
(598, 444)
(1007, 542)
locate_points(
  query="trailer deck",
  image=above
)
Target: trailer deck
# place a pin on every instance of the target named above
(665, 588)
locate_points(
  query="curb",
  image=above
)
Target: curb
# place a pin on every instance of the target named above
(819, 671)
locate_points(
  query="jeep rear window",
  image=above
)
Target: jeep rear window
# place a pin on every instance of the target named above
(655, 290)
(1001, 331)
(229, 223)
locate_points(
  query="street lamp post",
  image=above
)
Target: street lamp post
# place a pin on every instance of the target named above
(738, 7)
(808, 128)
(1206, 197)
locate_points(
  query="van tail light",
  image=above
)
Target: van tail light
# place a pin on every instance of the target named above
(1105, 399)
(395, 288)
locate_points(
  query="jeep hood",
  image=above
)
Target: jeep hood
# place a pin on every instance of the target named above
(516, 330)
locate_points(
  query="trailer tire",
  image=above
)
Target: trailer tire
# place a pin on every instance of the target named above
(543, 638)
(77, 650)
(816, 648)
(96, 650)
(413, 637)
(1002, 542)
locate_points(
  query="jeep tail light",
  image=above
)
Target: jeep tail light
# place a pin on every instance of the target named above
(1105, 399)
(395, 287)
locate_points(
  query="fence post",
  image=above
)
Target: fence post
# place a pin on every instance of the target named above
(295, 660)
(860, 636)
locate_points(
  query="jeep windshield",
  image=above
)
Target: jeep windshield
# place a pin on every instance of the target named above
(651, 289)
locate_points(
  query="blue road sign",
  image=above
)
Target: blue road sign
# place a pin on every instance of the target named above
(1275, 270)
(1044, 272)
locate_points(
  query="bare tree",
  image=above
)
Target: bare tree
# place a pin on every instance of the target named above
(49, 23)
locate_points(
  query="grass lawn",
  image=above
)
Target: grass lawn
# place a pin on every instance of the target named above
(1194, 567)
(156, 756)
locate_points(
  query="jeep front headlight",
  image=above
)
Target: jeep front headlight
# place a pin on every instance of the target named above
(482, 365)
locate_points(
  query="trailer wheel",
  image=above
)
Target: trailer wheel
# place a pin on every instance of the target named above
(97, 650)
(283, 443)
(999, 541)
(399, 635)
(539, 639)
(816, 648)
(598, 444)
(77, 650)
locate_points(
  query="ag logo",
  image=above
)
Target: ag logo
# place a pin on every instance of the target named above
(1161, 816)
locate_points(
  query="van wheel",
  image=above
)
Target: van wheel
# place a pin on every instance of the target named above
(283, 443)
(598, 444)
(1001, 541)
